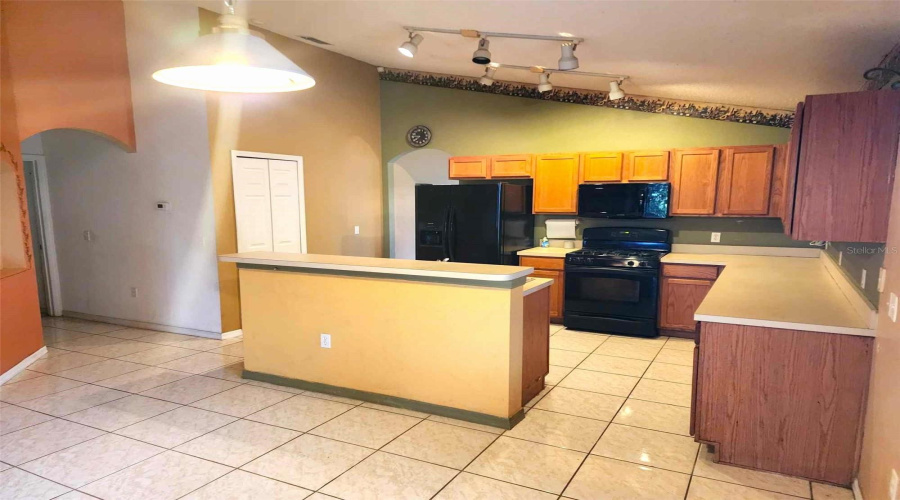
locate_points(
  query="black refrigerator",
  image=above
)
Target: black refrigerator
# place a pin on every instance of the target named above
(484, 223)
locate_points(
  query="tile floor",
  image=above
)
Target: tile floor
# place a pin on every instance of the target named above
(123, 413)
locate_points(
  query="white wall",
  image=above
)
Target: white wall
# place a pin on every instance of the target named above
(422, 166)
(168, 256)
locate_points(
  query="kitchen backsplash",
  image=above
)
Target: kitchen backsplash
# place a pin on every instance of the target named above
(694, 230)
(853, 258)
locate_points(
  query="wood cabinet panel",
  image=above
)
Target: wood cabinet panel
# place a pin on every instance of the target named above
(779, 179)
(646, 166)
(601, 167)
(679, 299)
(535, 343)
(746, 181)
(784, 401)
(556, 184)
(506, 166)
(557, 290)
(552, 263)
(695, 173)
(470, 167)
(690, 271)
(848, 155)
(792, 162)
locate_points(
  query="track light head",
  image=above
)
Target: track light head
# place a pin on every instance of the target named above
(482, 55)
(615, 93)
(545, 85)
(488, 78)
(567, 59)
(409, 47)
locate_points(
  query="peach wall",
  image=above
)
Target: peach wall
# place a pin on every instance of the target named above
(881, 439)
(20, 316)
(70, 65)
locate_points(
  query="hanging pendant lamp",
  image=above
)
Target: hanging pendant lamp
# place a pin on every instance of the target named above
(234, 59)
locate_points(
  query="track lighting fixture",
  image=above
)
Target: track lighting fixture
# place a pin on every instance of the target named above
(409, 47)
(545, 85)
(615, 93)
(567, 59)
(488, 78)
(482, 55)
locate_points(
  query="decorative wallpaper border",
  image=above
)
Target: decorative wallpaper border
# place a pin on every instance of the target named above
(703, 110)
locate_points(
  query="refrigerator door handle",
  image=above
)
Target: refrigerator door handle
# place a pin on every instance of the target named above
(446, 236)
(451, 236)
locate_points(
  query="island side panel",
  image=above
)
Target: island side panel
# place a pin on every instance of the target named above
(785, 401)
(453, 345)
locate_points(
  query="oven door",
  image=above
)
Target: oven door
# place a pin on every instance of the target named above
(612, 291)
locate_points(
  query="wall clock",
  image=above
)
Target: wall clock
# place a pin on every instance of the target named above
(418, 136)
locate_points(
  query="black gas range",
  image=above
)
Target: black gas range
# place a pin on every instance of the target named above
(612, 283)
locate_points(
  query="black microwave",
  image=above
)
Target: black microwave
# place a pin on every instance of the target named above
(631, 200)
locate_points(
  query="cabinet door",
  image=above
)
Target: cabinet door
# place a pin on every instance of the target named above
(679, 299)
(470, 167)
(694, 176)
(647, 166)
(556, 290)
(848, 155)
(746, 183)
(511, 166)
(790, 179)
(556, 184)
(601, 167)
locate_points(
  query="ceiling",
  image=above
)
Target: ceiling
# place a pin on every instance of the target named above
(751, 53)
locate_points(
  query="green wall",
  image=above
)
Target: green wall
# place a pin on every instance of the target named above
(474, 123)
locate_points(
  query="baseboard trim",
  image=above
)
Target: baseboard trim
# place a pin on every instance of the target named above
(19, 368)
(382, 399)
(857, 491)
(232, 334)
(148, 326)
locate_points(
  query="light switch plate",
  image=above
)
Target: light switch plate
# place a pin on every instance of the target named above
(715, 237)
(882, 275)
(355, 229)
(892, 307)
(325, 340)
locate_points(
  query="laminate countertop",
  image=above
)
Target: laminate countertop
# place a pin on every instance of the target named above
(795, 293)
(556, 252)
(534, 284)
(396, 268)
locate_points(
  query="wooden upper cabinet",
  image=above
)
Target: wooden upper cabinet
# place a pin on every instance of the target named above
(470, 167)
(848, 155)
(601, 167)
(646, 166)
(790, 175)
(504, 166)
(694, 176)
(746, 182)
(556, 183)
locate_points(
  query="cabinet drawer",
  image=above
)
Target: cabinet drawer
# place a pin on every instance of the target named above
(543, 262)
(690, 271)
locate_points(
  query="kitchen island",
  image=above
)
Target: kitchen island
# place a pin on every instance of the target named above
(440, 337)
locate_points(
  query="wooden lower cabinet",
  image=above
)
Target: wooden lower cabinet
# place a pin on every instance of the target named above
(552, 268)
(535, 343)
(784, 401)
(682, 288)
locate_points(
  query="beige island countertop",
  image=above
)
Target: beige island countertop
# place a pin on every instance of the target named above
(396, 267)
(796, 293)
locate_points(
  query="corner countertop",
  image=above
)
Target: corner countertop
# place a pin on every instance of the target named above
(556, 252)
(389, 267)
(533, 284)
(796, 293)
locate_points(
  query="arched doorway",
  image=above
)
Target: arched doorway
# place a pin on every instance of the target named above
(421, 166)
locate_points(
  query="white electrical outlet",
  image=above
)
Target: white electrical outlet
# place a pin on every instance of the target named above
(895, 483)
(355, 229)
(862, 280)
(882, 275)
(325, 341)
(715, 237)
(134, 292)
(892, 307)
(840, 257)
